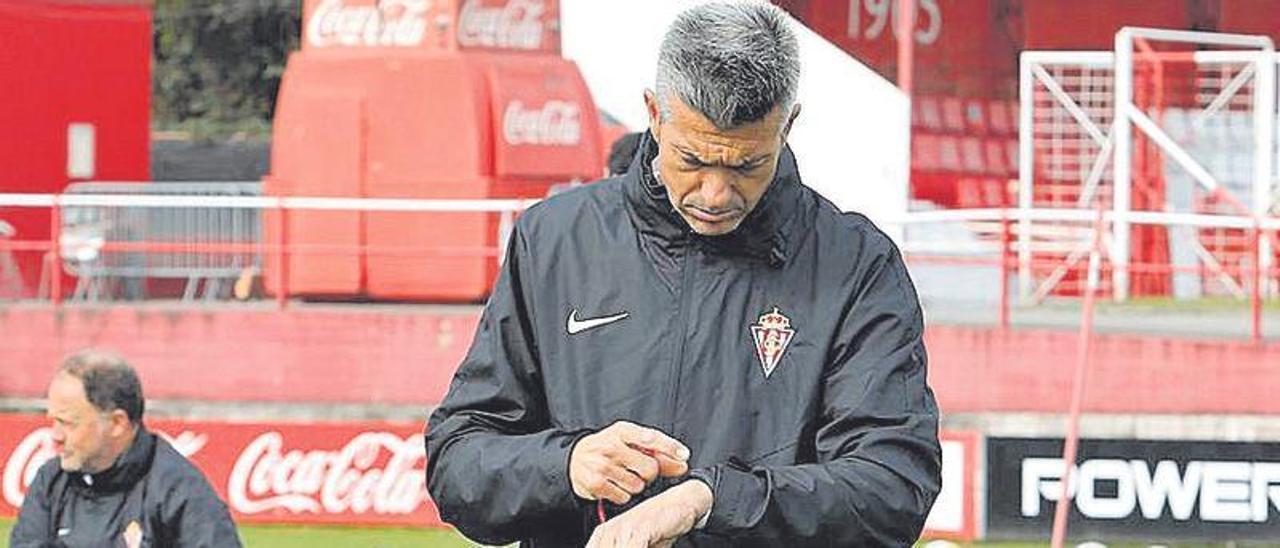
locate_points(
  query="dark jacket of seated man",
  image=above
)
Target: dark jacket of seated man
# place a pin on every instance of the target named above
(113, 482)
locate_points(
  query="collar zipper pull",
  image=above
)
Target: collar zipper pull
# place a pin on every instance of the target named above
(776, 256)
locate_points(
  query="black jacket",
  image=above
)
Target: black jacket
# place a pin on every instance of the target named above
(152, 484)
(836, 446)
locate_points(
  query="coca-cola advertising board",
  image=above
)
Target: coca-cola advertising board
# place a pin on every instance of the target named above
(523, 25)
(355, 24)
(508, 25)
(545, 124)
(349, 473)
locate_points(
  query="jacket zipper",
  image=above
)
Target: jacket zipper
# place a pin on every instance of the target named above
(677, 367)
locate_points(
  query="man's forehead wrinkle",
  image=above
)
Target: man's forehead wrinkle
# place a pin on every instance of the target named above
(63, 412)
(722, 150)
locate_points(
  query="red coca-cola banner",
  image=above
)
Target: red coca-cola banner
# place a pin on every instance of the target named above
(545, 123)
(528, 25)
(368, 473)
(332, 24)
(521, 25)
(349, 473)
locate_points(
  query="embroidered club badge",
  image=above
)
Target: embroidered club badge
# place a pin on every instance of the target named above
(772, 333)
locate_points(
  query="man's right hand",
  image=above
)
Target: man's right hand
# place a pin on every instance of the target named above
(619, 461)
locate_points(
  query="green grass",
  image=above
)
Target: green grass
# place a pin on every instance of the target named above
(287, 536)
(300, 536)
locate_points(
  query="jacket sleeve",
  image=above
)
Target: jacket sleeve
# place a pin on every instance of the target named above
(194, 516)
(32, 528)
(496, 468)
(879, 460)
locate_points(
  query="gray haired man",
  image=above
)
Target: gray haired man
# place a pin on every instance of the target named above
(114, 483)
(702, 351)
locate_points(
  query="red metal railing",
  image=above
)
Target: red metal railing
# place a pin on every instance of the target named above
(1005, 258)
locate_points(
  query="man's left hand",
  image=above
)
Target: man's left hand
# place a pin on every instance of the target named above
(658, 521)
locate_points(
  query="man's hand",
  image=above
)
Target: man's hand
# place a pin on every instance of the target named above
(619, 461)
(658, 521)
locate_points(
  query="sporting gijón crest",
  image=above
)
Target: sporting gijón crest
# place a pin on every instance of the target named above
(771, 333)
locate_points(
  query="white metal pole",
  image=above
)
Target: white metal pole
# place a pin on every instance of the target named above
(1026, 173)
(1121, 174)
(1199, 37)
(1264, 147)
(1152, 131)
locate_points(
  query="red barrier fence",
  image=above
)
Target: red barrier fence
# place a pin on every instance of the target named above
(367, 473)
(350, 473)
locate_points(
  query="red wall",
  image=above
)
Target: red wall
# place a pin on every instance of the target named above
(974, 369)
(970, 48)
(348, 354)
(407, 356)
(68, 62)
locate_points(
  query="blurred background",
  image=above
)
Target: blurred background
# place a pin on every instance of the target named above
(287, 215)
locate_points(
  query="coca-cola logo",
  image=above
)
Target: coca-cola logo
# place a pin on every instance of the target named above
(514, 25)
(37, 448)
(556, 123)
(376, 471)
(27, 458)
(386, 23)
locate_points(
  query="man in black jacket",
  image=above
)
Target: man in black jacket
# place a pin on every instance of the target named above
(114, 483)
(701, 352)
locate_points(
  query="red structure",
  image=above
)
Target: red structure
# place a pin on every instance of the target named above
(964, 128)
(965, 117)
(459, 99)
(85, 63)
(386, 355)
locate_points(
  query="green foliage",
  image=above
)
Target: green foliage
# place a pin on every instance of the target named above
(217, 63)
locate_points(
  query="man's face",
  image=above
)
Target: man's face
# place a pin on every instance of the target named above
(82, 434)
(715, 177)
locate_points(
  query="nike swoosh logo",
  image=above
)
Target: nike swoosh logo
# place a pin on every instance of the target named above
(577, 326)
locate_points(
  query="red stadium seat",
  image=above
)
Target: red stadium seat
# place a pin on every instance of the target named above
(953, 114)
(949, 154)
(929, 113)
(1011, 152)
(975, 117)
(925, 154)
(917, 116)
(981, 192)
(1001, 124)
(971, 155)
(994, 153)
(969, 192)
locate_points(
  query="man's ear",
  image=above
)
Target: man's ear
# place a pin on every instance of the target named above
(655, 112)
(791, 119)
(119, 421)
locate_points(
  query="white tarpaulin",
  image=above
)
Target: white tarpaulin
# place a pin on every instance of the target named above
(852, 140)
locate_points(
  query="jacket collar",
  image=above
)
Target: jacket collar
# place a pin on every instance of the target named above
(132, 465)
(768, 233)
